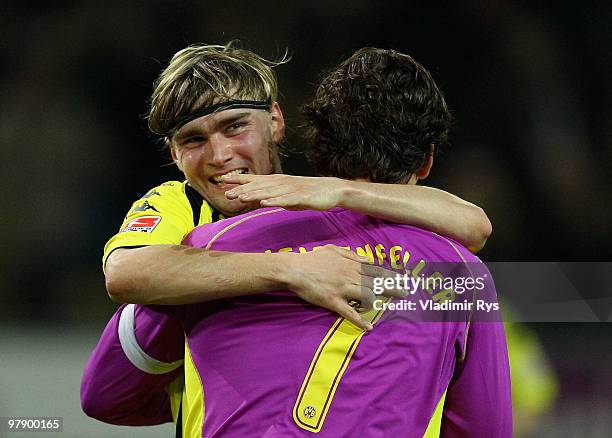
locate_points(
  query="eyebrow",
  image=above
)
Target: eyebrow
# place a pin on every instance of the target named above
(194, 131)
(231, 119)
(189, 132)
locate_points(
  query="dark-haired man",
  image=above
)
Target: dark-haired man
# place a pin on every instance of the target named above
(270, 365)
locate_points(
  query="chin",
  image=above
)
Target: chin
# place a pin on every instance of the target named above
(234, 208)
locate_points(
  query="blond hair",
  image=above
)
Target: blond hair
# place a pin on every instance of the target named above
(201, 75)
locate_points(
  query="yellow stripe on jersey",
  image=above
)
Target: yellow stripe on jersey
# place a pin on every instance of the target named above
(238, 222)
(433, 428)
(435, 423)
(193, 399)
(326, 370)
(175, 394)
(469, 323)
(162, 216)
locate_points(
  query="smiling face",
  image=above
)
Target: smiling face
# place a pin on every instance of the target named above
(234, 140)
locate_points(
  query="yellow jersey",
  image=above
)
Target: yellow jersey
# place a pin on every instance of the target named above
(164, 215)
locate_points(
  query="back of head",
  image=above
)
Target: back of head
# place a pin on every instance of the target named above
(376, 116)
(202, 75)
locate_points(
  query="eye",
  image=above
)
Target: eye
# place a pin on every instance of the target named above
(193, 142)
(235, 128)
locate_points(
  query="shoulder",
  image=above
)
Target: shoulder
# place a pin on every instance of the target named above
(426, 243)
(170, 193)
(166, 201)
(161, 216)
(174, 189)
(235, 227)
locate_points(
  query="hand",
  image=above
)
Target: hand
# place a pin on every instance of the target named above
(332, 277)
(290, 192)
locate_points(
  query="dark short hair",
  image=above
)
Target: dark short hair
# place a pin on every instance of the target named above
(376, 116)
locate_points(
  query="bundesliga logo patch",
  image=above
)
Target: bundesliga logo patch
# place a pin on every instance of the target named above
(144, 224)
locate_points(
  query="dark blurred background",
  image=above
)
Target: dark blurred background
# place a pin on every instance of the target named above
(531, 91)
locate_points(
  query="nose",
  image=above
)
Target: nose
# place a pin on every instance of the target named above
(221, 151)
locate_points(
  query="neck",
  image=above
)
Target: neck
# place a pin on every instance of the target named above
(412, 180)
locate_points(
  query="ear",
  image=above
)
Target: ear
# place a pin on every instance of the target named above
(277, 123)
(423, 172)
(175, 157)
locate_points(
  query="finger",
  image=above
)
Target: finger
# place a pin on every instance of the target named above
(288, 201)
(354, 291)
(367, 298)
(353, 316)
(237, 191)
(247, 189)
(361, 296)
(382, 286)
(346, 253)
(377, 271)
(259, 194)
(239, 178)
(354, 256)
(395, 292)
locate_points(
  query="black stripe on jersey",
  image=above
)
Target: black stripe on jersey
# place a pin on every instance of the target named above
(121, 247)
(179, 421)
(195, 200)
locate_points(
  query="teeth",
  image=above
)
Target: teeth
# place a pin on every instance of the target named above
(218, 179)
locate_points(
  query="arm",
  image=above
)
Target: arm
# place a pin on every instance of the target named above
(174, 274)
(425, 207)
(421, 206)
(122, 382)
(478, 401)
(145, 264)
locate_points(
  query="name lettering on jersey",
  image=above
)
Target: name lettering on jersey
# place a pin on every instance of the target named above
(396, 258)
(143, 207)
(144, 224)
(376, 253)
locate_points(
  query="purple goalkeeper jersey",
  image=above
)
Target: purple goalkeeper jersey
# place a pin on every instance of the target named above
(272, 365)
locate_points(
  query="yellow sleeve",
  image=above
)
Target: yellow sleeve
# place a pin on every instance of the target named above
(162, 216)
